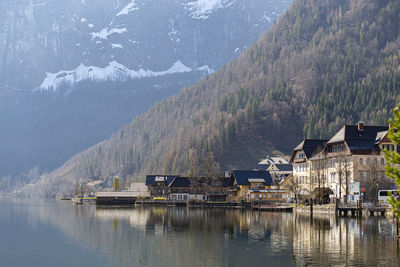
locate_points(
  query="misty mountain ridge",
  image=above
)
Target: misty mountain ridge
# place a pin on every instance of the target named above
(324, 64)
(73, 72)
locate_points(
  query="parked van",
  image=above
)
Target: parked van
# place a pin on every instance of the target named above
(383, 195)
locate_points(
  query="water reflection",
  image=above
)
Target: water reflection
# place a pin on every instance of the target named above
(177, 236)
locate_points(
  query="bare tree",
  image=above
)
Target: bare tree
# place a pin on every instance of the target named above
(318, 167)
(81, 189)
(193, 163)
(210, 166)
(293, 187)
(375, 179)
(346, 174)
(343, 170)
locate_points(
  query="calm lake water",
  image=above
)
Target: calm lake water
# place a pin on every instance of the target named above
(59, 234)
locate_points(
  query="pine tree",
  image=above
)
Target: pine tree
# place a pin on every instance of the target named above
(393, 158)
(116, 184)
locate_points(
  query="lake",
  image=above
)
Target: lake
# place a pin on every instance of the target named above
(57, 233)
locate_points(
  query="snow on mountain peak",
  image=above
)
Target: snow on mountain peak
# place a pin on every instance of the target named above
(113, 72)
(128, 8)
(104, 33)
(202, 9)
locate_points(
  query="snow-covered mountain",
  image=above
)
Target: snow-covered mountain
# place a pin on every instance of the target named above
(40, 39)
(72, 72)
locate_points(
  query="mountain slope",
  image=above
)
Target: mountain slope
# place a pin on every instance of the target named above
(325, 63)
(73, 72)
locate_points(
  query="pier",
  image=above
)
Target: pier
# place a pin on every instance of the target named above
(371, 209)
(272, 207)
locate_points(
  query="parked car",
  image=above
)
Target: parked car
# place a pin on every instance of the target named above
(290, 200)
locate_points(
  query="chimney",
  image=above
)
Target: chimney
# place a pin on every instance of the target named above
(361, 126)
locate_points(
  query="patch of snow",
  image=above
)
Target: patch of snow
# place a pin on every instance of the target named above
(83, 20)
(113, 72)
(128, 8)
(117, 46)
(206, 69)
(237, 49)
(202, 9)
(104, 33)
(133, 42)
(266, 18)
(90, 25)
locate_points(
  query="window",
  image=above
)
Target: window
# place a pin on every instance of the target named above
(388, 147)
(265, 196)
(333, 178)
(361, 161)
(382, 161)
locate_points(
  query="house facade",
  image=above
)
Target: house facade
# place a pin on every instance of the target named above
(350, 165)
(254, 186)
(301, 163)
(199, 189)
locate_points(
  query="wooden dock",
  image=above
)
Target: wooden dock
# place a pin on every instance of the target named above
(357, 209)
(275, 207)
(115, 198)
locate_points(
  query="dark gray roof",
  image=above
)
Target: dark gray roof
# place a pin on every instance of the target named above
(199, 182)
(356, 140)
(310, 147)
(242, 176)
(281, 167)
(150, 179)
(180, 182)
(351, 132)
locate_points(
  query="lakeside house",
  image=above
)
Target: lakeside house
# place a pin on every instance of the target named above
(350, 165)
(199, 189)
(158, 185)
(238, 186)
(279, 168)
(255, 186)
(177, 188)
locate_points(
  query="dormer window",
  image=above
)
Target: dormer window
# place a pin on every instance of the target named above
(388, 147)
(336, 148)
(302, 155)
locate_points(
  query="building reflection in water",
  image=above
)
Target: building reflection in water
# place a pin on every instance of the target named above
(332, 241)
(178, 236)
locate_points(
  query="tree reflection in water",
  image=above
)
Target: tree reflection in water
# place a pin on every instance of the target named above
(179, 236)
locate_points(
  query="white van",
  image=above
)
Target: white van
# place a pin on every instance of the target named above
(383, 196)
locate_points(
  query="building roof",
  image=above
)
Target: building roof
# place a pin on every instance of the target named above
(199, 182)
(273, 160)
(281, 167)
(256, 180)
(363, 141)
(310, 147)
(380, 136)
(351, 132)
(152, 179)
(180, 182)
(242, 177)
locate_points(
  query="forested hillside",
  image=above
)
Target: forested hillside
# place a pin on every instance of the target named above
(325, 63)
